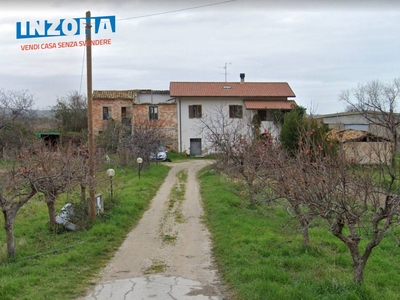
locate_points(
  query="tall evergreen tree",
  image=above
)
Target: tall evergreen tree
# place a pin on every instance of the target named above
(293, 125)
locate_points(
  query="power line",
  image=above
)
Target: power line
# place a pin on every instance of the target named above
(157, 14)
(83, 64)
(176, 10)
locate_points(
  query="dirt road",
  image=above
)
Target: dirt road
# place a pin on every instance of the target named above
(168, 255)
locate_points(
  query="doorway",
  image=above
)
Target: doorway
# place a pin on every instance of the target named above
(195, 147)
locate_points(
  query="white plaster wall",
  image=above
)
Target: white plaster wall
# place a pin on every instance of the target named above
(345, 119)
(271, 128)
(152, 98)
(189, 128)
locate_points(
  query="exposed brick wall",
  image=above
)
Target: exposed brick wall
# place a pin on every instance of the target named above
(167, 116)
(167, 119)
(115, 105)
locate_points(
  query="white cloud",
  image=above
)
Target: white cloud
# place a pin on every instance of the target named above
(318, 48)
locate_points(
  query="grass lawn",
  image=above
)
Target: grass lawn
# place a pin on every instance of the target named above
(261, 256)
(62, 265)
(180, 157)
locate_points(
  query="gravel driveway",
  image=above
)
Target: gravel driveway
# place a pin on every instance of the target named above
(168, 254)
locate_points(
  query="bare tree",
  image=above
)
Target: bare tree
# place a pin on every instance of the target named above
(15, 105)
(253, 160)
(377, 103)
(318, 180)
(15, 116)
(353, 199)
(15, 191)
(238, 144)
(52, 171)
(144, 141)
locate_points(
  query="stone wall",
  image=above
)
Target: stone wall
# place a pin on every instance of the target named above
(368, 152)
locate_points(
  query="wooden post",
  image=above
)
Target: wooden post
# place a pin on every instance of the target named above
(92, 199)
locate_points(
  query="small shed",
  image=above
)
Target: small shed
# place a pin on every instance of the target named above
(50, 138)
(363, 147)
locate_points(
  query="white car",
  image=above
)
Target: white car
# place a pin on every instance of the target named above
(161, 155)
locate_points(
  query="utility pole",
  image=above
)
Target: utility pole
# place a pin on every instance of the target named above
(92, 206)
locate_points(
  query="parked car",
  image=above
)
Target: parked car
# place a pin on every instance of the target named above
(161, 155)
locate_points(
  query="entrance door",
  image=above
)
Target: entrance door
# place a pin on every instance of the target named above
(195, 146)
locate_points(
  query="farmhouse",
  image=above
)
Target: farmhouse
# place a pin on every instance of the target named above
(239, 100)
(179, 109)
(132, 107)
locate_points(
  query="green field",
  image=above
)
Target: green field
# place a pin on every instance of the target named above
(260, 254)
(62, 265)
(258, 250)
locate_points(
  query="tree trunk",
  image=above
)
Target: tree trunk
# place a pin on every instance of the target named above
(252, 196)
(304, 222)
(50, 201)
(305, 233)
(359, 261)
(359, 266)
(9, 219)
(251, 189)
(83, 193)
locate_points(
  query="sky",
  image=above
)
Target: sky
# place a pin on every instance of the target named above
(319, 48)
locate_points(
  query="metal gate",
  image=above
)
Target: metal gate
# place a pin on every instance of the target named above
(195, 146)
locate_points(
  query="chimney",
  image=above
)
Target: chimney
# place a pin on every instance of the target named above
(241, 77)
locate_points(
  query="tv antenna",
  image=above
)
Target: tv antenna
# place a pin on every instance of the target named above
(226, 70)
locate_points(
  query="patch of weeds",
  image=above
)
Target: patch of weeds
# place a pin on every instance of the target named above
(167, 238)
(156, 267)
(179, 218)
(173, 214)
(177, 196)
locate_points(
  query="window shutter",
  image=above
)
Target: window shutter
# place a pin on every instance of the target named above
(191, 112)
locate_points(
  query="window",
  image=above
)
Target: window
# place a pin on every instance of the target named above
(153, 112)
(194, 111)
(235, 111)
(123, 113)
(270, 115)
(266, 115)
(262, 114)
(106, 113)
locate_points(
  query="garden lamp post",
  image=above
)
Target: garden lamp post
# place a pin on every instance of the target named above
(111, 173)
(139, 161)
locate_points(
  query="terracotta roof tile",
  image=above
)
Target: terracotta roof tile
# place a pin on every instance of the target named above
(231, 89)
(258, 104)
(353, 135)
(125, 94)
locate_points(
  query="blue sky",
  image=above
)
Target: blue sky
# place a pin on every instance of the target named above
(319, 48)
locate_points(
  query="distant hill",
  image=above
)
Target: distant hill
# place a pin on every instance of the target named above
(43, 113)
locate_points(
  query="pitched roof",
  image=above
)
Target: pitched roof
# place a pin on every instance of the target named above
(158, 92)
(231, 89)
(272, 104)
(353, 135)
(124, 94)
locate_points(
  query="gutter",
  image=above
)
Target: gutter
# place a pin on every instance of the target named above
(180, 125)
